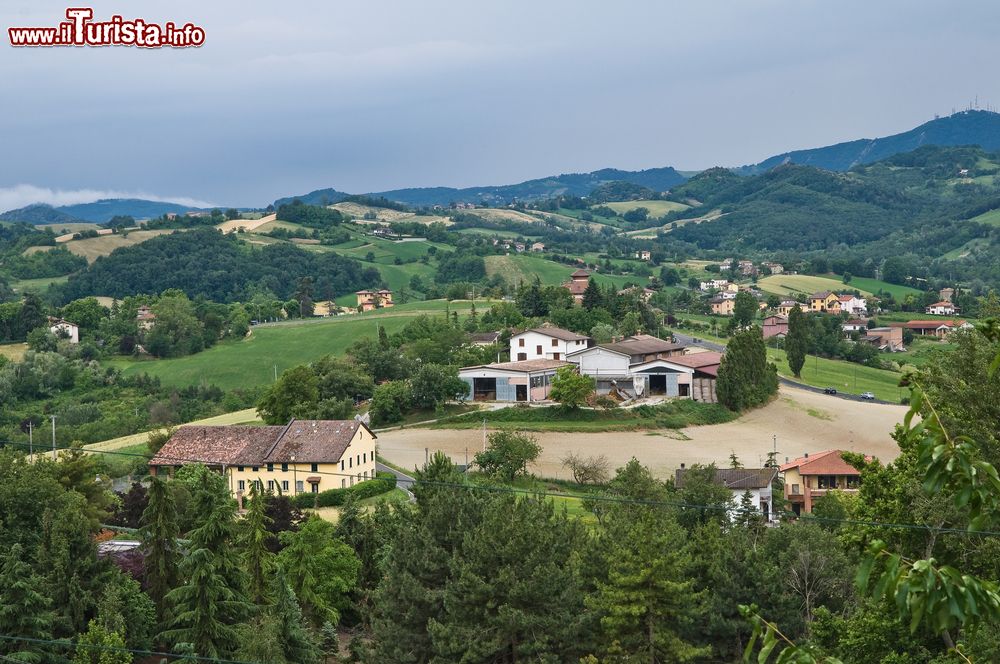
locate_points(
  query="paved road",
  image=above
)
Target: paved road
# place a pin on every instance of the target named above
(694, 341)
(403, 481)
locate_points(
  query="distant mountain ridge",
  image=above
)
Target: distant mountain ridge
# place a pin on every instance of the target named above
(97, 212)
(570, 184)
(973, 127)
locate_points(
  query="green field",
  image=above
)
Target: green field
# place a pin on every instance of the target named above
(874, 286)
(36, 285)
(792, 284)
(251, 362)
(992, 218)
(846, 377)
(656, 208)
(523, 269)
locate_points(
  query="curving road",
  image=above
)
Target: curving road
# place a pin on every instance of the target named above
(719, 348)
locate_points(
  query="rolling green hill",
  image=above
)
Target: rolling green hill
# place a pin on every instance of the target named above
(252, 361)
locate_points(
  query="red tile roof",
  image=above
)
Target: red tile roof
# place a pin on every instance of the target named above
(310, 441)
(828, 462)
(556, 332)
(697, 360)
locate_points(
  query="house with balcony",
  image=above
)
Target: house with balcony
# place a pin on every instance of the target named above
(813, 476)
(547, 342)
(825, 302)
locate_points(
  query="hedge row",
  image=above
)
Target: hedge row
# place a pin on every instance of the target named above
(383, 483)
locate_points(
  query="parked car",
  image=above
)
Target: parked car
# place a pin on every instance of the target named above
(868, 396)
(829, 390)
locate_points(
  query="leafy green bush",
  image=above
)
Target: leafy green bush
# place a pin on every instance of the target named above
(383, 483)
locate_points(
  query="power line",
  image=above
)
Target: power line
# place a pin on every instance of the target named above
(594, 497)
(148, 653)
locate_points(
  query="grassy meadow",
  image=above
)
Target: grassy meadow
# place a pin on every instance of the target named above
(275, 347)
(656, 208)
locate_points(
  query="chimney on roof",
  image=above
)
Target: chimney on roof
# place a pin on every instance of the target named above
(805, 456)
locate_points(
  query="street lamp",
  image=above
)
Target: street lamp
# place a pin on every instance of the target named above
(295, 476)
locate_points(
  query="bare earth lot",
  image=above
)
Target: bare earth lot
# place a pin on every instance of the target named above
(803, 422)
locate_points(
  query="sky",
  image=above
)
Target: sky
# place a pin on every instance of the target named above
(288, 97)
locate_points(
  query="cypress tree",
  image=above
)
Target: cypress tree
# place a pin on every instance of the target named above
(592, 296)
(252, 542)
(159, 544)
(294, 639)
(797, 340)
(746, 379)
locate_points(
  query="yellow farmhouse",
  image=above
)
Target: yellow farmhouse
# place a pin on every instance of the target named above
(304, 456)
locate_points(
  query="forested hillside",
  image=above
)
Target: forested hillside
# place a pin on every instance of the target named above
(204, 262)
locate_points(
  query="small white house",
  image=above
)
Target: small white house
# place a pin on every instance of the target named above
(853, 305)
(715, 284)
(756, 481)
(65, 330)
(942, 308)
(546, 343)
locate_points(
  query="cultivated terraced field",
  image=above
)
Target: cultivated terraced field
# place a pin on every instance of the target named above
(792, 284)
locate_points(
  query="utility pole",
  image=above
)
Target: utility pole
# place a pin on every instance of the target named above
(275, 373)
(53, 437)
(484, 434)
(31, 447)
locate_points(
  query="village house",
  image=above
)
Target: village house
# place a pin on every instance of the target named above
(775, 268)
(775, 326)
(643, 255)
(369, 300)
(145, 318)
(715, 284)
(722, 306)
(64, 329)
(727, 295)
(853, 325)
(937, 328)
(786, 307)
(747, 268)
(888, 339)
(484, 338)
(546, 343)
(825, 301)
(813, 476)
(538, 246)
(942, 308)
(642, 291)
(757, 481)
(303, 456)
(853, 305)
(519, 247)
(577, 284)
(510, 381)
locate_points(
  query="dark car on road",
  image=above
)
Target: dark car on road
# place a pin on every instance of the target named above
(829, 390)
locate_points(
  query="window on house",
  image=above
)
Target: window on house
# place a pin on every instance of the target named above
(350, 462)
(538, 350)
(314, 467)
(255, 468)
(284, 467)
(239, 468)
(284, 485)
(365, 474)
(853, 481)
(795, 490)
(555, 342)
(341, 464)
(364, 458)
(555, 356)
(270, 485)
(314, 488)
(826, 481)
(520, 342)
(343, 483)
(270, 467)
(521, 357)
(299, 487)
(242, 485)
(359, 459)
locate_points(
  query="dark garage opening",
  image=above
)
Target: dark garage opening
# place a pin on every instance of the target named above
(657, 384)
(521, 392)
(484, 389)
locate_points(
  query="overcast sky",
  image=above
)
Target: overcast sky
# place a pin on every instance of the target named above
(287, 97)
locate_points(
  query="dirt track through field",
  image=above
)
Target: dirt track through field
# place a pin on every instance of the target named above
(802, 421)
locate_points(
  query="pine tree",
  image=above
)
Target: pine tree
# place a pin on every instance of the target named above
(797, 340)
(68, 556)
(24, 612)
(204, 610)
(219, 535)
(648, 601)
(745, 378)
(592, 296)
(295, 641)
(330, 641)
(159, 544)
(100, 645)
(252, 542)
